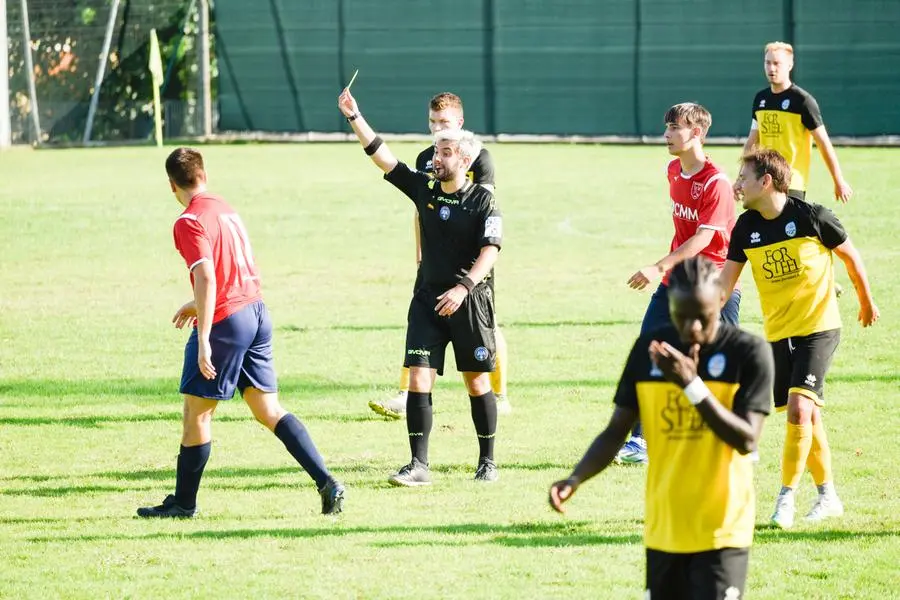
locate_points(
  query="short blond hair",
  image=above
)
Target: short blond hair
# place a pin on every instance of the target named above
(775, 46)
(465, 141)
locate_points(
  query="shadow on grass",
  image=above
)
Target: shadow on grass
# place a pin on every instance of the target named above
(217, 478)
(549, 534)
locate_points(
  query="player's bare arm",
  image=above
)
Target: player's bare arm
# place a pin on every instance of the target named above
(842, 189)
(381, 155)
(849, 255)
(728, 277)
(205, 303)
(692, 247)
(741, 432)
(450, 301)
(185, 315)
(752, 139)
(598, 456)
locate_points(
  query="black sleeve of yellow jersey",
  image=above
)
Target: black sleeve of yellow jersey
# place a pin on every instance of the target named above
(626, 391)
(828, 227)
(407, 180)
(737, 245)
(756, 379)
(756, 99)
(483, 169)
(811, 116)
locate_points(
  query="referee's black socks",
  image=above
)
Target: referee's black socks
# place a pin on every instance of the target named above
(484, 415)
(419, 418)
(191, 462)
(296, 439)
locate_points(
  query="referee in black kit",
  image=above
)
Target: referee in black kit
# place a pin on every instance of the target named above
(461, 230)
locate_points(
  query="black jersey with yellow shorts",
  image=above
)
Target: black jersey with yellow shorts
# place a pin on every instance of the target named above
(699, 491)
(793, 266)
(785, 122)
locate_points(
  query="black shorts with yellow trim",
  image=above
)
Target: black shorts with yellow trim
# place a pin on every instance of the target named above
(715, 574)
(801, 364)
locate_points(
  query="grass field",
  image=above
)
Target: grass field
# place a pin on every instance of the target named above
(90, 415)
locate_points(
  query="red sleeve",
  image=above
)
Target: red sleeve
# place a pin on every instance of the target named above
(191, 241)
(717, 207)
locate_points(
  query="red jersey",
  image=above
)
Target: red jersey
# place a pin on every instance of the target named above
(704, 200)
(210, 230)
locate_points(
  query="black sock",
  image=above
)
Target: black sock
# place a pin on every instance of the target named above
(484, 415)
(191, 462)
(297, 441)
(419, 418)
(637, 430)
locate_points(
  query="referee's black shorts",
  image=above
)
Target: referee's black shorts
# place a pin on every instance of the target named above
(470, 329)
(712, 575)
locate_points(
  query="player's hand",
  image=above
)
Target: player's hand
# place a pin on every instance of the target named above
(560, 492)
(868, 314)
(187, 314)
(676, 367)
(642, 278)
(347, 103)
(204, 359)
(450, 301)
(842, 191)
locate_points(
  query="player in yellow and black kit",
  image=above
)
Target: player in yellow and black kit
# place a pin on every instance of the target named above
(702, 389)
(791, 246)
(786, 118)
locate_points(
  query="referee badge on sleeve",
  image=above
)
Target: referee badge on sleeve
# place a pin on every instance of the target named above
(493, 227)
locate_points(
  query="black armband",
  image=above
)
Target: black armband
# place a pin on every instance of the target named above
(374, 146)
(467, 283)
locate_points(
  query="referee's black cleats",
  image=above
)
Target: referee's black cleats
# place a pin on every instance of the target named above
(332, 494)
(169, 509)
(487, 471)
(414, 474)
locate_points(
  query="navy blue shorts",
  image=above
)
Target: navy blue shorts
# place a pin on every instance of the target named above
(241, 353)
(657, 315)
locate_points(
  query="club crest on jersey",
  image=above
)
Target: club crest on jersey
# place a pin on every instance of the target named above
(785, 104)
(754, 237)
(696, 190)
(716, 364)
(791, 229)
(655, 370)
(762, 103)
(444, 213)
(481, 353)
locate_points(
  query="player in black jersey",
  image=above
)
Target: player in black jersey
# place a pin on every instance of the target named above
(445, 112)
(461, 234)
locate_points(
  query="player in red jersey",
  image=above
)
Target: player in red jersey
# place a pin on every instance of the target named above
(703, 212)
(230, 346)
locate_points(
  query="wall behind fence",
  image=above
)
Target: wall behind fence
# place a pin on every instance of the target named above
(567, 67)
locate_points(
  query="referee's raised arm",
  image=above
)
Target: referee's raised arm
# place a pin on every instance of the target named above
(373, 145)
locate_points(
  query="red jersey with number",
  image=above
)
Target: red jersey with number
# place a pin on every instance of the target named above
(704, 200)
(210, 230)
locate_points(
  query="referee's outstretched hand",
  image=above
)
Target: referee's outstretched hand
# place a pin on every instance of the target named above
(347, 103)
(560, 492)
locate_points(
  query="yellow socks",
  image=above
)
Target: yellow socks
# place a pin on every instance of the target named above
(819, 461)
(404, 379)
(797, 443)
